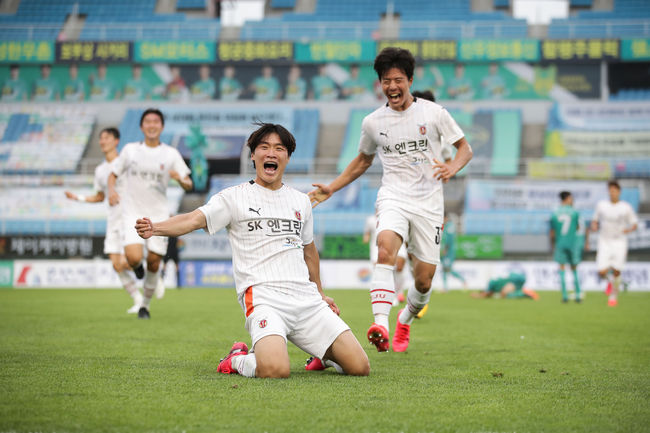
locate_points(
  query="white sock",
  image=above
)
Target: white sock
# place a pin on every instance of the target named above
(128, 283)
(415, 302)
(149, 287)
(382, 293)
(245, 364)
(333, 364)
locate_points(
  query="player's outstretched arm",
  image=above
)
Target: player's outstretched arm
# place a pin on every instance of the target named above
(185, 182)
(355, 168)
(175, 226)
(95, 198)
(445, 171)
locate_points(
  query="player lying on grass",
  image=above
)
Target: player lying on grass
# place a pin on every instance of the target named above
(510, 286)
(275, 264)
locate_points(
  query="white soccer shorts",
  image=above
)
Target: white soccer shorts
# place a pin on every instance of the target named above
(304, 319)
(423, 234)
(612, 253)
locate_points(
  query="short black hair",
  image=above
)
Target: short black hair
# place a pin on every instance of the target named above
(265, 129)
(564, 195)
(394, 57)
(111, 130)
(152, 111)
(614, 183)
(14, 66)
(424, 94)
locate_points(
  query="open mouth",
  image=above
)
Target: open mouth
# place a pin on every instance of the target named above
(394, 97)
(270, 167)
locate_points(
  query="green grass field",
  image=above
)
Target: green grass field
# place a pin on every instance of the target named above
(74, 361)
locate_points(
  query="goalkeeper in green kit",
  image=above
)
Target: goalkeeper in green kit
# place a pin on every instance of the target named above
(565, 224)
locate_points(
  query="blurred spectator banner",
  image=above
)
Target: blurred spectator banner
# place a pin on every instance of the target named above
(344, 247)
(6, 273)
(67, 274)
(610, 116)
(572, 50)
(26, 51)
(635, 49)
(216, 274)
(51, 247)
(174, 51)
(486, 50)
(335, 51)
(486, 195)
(93, 52)
(479, 246)
(597, 144)
(255, 51)
(562, 169)
(226, 118)
(200, 245)
(425, 50)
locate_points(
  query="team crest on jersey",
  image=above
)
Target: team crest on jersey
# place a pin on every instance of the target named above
(263, 323)
(298, 216)
(423, 129)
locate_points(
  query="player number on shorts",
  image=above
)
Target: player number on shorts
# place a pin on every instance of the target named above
(437, 235)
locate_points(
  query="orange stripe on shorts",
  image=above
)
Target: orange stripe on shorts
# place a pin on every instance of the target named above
(248, 300)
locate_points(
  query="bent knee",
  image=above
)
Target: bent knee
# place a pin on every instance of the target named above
(272, 371)
(361, 368)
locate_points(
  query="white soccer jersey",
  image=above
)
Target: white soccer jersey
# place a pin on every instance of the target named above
(407, 143)
(146, 170)
(613, 218)
(114, 215)
(267, 231)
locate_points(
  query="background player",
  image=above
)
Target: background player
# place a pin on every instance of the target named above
(408, 134)
(448, 253)
(565, 223)
(147, 167)
(276, 266)
(614, 219)
(109, 138)
(510, 286)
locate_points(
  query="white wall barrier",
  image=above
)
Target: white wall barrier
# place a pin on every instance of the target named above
(335, 274)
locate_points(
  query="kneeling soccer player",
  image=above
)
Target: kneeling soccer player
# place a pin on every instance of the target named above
(275, 264)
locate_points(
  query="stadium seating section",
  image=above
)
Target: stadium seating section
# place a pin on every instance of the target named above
(629, 18)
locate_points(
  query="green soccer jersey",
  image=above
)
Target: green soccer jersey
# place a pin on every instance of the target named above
(565, 222)
(229, 89)
(136, 90)
(357, 88)
(266, 89)
(324, 88)
(14, 90)
(497, 284)
(424, 83)
(45, 89)
(579, 244)
(102, 90)
(203, 90)
(296, 91)
(494, 87)
(461, 89)
(74, 90)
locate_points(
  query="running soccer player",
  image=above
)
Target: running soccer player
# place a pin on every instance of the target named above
(510, 287)
(407, 133)
(109, 138)
(565, 223)
(615, 219)
(403, 278)
(275, 264)
(147, 167)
